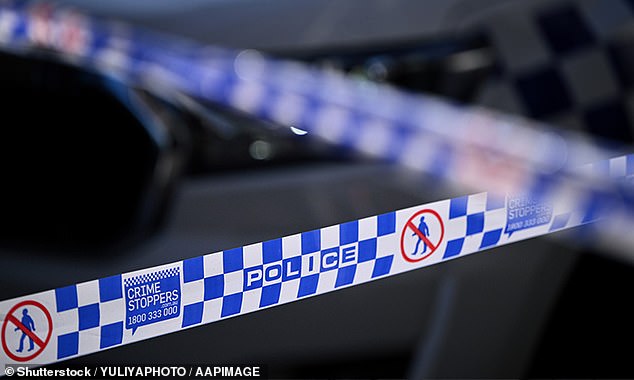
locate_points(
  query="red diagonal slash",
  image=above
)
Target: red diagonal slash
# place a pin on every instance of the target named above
(421, 235)
(28, 332)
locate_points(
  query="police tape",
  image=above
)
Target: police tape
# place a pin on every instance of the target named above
(84, 318)
(373, 118)
(467, 146)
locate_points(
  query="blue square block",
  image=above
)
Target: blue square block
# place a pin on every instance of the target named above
(232, 260)
(214, 287)
(495, 202)
(272, 251)
(454, 247)
(386, 223)
(231, 305)
(367, 250)
(270, 295)
(491, 238)
(308, 285)
(540, 186)
(88, 316)
(192, 314)
(328, 259)
(66, 298)
(292, 268)
(111, 335)
(67, 345)
(629, 164)
(560, 221)
(458, 207)
(382, 266)
(595, 206)
(252, 277)
(475, 223)
(193, 269)
(311, 241)
(348, 232)
(442, 160)
(110, 288)
(345, 275)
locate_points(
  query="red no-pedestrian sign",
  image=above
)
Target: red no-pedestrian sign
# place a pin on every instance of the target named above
(421, 235)
(26, 331)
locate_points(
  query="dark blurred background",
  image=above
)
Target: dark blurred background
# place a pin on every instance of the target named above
(99, 179)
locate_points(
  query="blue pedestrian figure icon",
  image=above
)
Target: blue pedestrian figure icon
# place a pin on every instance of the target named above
(28, 323)
(423, 229)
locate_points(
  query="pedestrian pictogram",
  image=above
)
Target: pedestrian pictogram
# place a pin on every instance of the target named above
(421, 236)
(26, 331)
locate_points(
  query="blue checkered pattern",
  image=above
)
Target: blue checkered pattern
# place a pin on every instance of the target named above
(93, 314)
(594, 204)
(568, 63)
(417, 132)
(154, 276)
(215, 284)
(475, 222)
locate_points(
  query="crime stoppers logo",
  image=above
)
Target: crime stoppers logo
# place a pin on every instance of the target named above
(422, 235)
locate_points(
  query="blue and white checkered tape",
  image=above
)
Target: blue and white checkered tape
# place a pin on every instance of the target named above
(130, 307)
(468, 146)
(471, 147)
(372, 118)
